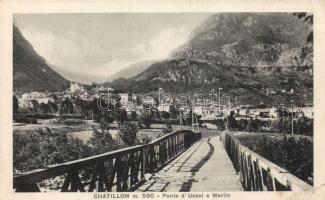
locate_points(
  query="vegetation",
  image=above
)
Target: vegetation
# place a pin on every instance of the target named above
(247, 67)
(15, 104)
(43, 148)
(294, 155)
(133, 116)
(29, 68)
(102, 142)
(302, 126)
(168, 128)
(66, 121)
(66, 107)
(128, 133)
(146, 119)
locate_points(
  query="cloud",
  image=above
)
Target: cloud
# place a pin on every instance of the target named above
(111, 67)
(161, 44)
(72, 53)
(158, 46)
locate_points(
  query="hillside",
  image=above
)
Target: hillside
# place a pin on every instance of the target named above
(249, 40)
(256, 58)
(132, 70)
(30, 70)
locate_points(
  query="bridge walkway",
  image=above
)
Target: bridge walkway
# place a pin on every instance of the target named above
(203, 167)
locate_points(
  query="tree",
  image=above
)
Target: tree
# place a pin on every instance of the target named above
(44, 108)
(120, 114)
(101, 142)
(55, 97)
(133, 116)
(231, 121)
(35, 106)
(156, 102)
(146, 118)
(128, 133)
(81, 106)
(15, 104)
(307, 18)
(173, 112)
(66, 107)
(138, 100)
(165, 115)
(96, 113)
(53, 108)
(168, 127)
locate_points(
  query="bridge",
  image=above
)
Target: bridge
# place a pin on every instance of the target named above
(180, 161)
(205, 166)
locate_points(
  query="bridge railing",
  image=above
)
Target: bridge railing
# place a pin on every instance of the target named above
(256, 172)
(119, 170)
(168, 147)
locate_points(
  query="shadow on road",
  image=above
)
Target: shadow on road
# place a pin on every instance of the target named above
(186, 186)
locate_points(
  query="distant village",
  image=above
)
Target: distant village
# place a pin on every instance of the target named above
(208, 108)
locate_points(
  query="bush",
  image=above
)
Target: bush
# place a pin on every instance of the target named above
(165, 115)
(66, 121)
(128, 133)
(146, 119)
(168, 128)
(294, 155)
(302, 126)
(102, 142)
(43, 148)
(133, 116)
(27, 120)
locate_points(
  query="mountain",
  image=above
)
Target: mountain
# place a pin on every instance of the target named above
(252, 56)
(132, 70)
(31, 72)
(249, 40)
(79, 76)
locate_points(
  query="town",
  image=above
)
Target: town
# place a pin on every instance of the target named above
(209, 106)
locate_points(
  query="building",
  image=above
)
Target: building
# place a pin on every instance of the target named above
(45, 99)
(40, 97)
(76, 87)
(164, 107)
(124, 99)
(273, 112)
(199, 110)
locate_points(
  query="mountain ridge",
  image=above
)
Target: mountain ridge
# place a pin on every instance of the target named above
(31, 72)
(276, 55)
(132, 70)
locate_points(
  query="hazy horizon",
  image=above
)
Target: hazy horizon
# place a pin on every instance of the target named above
(84, 47)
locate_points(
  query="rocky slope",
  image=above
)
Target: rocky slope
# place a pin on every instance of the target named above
(250, 40)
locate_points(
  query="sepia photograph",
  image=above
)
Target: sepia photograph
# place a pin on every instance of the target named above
(163, 102)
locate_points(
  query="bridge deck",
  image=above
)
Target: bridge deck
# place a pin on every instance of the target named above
(204, 167)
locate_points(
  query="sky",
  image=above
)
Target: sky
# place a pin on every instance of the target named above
(91, 47)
